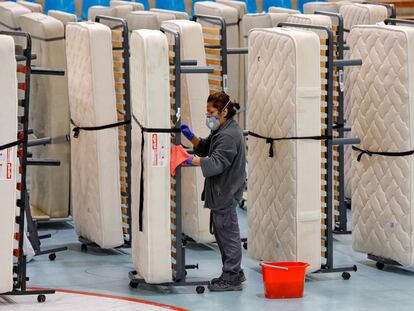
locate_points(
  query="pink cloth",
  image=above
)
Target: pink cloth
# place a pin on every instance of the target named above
(178, 157)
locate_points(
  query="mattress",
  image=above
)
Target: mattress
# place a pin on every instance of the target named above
(8, 160)
(64, 17)
(311, 19)
(284, 213)
(135, 5)
(49, 115)
(278, 18)
(9, 15)
(34, 7)
(151, 247)
(194, 94)
(355, 14)
(312, 7)
(274, 9)
(231, 16)
(258, 20)
(100, 10)
(147, 20)
(122, 11)
(95, 172)
(382, 191)
(177, 14)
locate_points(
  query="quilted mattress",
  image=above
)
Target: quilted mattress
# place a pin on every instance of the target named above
(94, 154)
(49, 115)
(356, 14)
(284, 212)
(8, 160)
(151, 247)
(382, 187)
(194, 94)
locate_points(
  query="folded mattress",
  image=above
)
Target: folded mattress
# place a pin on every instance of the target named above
(96, 10)
(177, 14)
(34, 7)
(274, 9)
(284, 214)
(231, 17)
(135, 5)
(312, 7)
(49, 115)
(194, 94)
(9, 15)
(95, 171)
(147, 20)
(64, 17)
(8, 160)
(151, 244)
(355, 14)
(382, 192)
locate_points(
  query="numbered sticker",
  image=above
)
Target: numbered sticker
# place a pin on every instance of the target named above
(159, 149)
(6, 164)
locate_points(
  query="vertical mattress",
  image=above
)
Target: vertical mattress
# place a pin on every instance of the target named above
(194, 94)
(49, 115)
(177, 14)
(64, 17)
(284, 212)
(382, 114)
(95, 168)
(34, 7)
(8, 160)
(9, 15)
(136, 6)
(355, 14)
(312, 7)
(147, 20)
(151, 244)
(274, 9)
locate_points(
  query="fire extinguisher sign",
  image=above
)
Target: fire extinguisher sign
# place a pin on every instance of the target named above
(159, 149)
(6, 164)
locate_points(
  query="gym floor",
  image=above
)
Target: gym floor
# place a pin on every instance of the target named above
(106, 272)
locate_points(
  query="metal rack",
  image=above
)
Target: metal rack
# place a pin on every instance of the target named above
(26, 69)
(120, 51)
(327, 239)
(177, 68)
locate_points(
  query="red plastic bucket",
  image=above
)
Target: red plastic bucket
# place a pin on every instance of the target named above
(284, 279)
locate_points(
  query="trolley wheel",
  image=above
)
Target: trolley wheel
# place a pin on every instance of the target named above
(355, 268)
(380, 266)
(200, 289)
(41, 298)
(84, 248)
(133, 284)
(346, 275)
(245, 245)
(52, 257)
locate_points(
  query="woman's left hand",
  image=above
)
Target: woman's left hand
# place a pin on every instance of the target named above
(194, 161)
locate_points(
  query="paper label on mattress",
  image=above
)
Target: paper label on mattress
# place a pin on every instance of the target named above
(159, 144)
(6, 164)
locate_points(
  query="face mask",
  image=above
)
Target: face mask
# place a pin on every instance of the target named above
(212, 122)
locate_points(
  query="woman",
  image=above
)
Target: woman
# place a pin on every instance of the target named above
(222, 159)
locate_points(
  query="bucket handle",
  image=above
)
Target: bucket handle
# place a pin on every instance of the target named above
(275, 267)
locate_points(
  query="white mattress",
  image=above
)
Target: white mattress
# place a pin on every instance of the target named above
(284, 214)
(100, 10)
(312, 7)
(135, 5)
(231, 16)
(64, 17)
(177, 14)
(9, 15)
(34, 7)
(151, 248)
(311, 19)
(49, 115)
(355, 14)
(194, 94)
(147, 20)
(259, 20)
(95, 169)
(274, 9)
(382, 187)
(8, 161)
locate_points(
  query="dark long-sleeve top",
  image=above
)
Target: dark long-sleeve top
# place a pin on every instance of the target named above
(223, 163)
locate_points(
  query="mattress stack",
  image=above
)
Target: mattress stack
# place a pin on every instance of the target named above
(284, 211)
(152, 242)
(94, 154)
(382, 192)
(356, 14)
(49, 117)
(194, 94)
(8, 160)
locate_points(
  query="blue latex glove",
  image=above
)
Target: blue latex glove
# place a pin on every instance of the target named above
(187, 132)
(189, 161)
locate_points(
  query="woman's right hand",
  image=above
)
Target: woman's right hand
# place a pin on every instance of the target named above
(185, 129)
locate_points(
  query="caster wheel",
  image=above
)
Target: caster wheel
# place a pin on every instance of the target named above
(245, 245)
(84, 248)
(380, 265)
(346, 275)
(52, 257)
(355, 268)
(41, 298)
(133, 284)
(200, 289)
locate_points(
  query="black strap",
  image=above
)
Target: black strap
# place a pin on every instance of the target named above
(338, 126)
(141, 184)
(211, 223)
(385, 154)
(271, 140)
(76, 130)
(9, 145)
